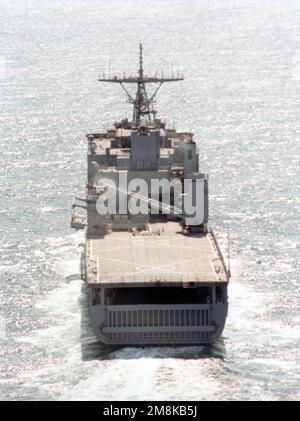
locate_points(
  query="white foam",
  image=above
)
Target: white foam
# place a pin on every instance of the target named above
(138, 374)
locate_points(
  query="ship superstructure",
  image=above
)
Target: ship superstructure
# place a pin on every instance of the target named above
(154, 273)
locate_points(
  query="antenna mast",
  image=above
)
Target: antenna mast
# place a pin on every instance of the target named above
(142, 105)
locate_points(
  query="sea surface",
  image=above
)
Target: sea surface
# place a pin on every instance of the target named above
(241, 97)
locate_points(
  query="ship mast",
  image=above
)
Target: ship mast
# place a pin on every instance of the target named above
(142, 105)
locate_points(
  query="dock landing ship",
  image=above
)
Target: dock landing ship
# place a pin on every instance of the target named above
(155, 277)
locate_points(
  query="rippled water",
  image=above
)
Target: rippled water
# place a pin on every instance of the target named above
(241, 97)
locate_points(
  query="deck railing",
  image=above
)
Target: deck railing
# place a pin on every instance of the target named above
(158, 323)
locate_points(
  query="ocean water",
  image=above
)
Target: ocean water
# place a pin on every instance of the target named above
(241, 95)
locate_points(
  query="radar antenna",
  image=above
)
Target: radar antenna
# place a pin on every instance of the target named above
(142, 105)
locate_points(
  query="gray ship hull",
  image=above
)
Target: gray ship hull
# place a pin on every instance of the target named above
(155, 274)
(165, 303)
(165, 324)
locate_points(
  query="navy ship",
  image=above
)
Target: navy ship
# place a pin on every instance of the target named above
(154, 271)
